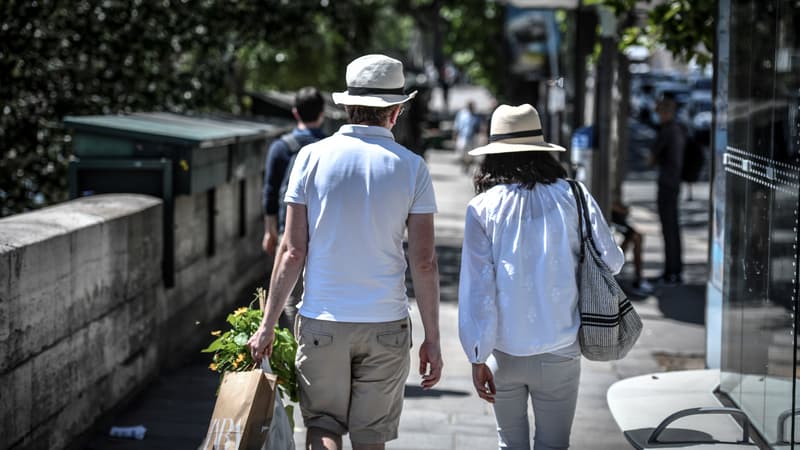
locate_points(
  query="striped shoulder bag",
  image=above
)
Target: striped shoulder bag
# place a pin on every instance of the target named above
(609, 324)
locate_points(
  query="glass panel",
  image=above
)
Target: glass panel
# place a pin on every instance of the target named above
(760, 277)
(781, 307)
(784, 271)
(720, 142)
(764, 318)
(736, 200)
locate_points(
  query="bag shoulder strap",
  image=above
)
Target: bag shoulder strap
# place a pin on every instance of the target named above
(583, 210)
(291, 142)
(579, 207)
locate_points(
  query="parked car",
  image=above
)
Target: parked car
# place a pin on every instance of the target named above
(700, 83)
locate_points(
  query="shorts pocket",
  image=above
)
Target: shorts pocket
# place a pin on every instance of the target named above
(313, 339)
(394, 339)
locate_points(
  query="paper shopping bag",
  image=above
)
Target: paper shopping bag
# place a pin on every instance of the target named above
(243, 411)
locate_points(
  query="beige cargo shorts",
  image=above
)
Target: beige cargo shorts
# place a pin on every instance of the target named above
(352, 376)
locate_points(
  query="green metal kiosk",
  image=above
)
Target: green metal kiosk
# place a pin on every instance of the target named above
(165, 155)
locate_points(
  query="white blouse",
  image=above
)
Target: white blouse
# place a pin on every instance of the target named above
(518, 289)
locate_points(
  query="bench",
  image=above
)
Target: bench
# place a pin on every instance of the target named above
(653, 412)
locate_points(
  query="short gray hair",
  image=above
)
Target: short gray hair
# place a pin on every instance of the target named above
(368, 115)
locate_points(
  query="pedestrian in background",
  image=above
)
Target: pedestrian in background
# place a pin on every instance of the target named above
(668, 157)
(518, 293)
(351, 198)
(308, 111)
(466, 127)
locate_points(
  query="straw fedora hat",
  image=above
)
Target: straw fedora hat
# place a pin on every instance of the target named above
(515, 129)
(374, 80)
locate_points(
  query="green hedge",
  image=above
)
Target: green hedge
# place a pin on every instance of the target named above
(112, 56)
(82, 57)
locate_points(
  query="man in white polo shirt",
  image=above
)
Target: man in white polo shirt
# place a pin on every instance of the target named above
(350, 200)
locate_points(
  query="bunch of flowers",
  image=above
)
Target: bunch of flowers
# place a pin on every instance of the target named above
(231, 353)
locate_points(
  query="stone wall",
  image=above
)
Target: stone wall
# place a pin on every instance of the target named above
(85, 319)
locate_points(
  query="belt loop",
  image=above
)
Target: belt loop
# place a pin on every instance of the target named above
(296, 327)
(410, 333)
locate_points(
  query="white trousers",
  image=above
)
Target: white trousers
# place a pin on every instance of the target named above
(551, 381)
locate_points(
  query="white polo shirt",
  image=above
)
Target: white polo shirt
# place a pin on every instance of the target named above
(358, 186)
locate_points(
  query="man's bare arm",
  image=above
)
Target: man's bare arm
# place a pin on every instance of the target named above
(425, 276)
(289, 263)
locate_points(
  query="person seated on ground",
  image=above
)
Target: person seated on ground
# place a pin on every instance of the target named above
(619, 219)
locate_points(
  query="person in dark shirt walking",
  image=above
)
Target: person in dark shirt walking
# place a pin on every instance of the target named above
(308, 110)
(668, 156)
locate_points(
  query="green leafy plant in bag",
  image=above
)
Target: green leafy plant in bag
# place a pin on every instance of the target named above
(231, 353)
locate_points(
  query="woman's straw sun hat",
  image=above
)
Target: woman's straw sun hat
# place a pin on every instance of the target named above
(516, 129)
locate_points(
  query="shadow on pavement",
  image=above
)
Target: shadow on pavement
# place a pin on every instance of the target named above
(670, 438)
(685, 303)
(417, 391)
(445, 177)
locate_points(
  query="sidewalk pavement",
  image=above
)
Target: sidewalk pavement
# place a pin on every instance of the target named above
(450, 416)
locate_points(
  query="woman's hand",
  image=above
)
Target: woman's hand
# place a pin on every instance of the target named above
(483, 380)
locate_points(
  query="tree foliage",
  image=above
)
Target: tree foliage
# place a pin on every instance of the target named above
(684, 27)
(475, 41)
(84, 57)
(112, 56)
(471, 35)
(340, 31)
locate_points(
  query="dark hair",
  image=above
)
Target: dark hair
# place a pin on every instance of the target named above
(309, 104)
(523, 168)
(667, 104)
(368, 115)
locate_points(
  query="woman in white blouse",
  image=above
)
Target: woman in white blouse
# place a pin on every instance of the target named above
(518, 294)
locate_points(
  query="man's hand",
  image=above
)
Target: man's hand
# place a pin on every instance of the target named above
(425, 275)
(261, 343)
(269, 243)
(483, 380)
(430, 363)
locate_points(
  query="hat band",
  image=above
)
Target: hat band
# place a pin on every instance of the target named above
(516, 134)
(352, 90)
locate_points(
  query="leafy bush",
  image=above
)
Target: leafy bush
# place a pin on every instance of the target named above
(108, 57)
